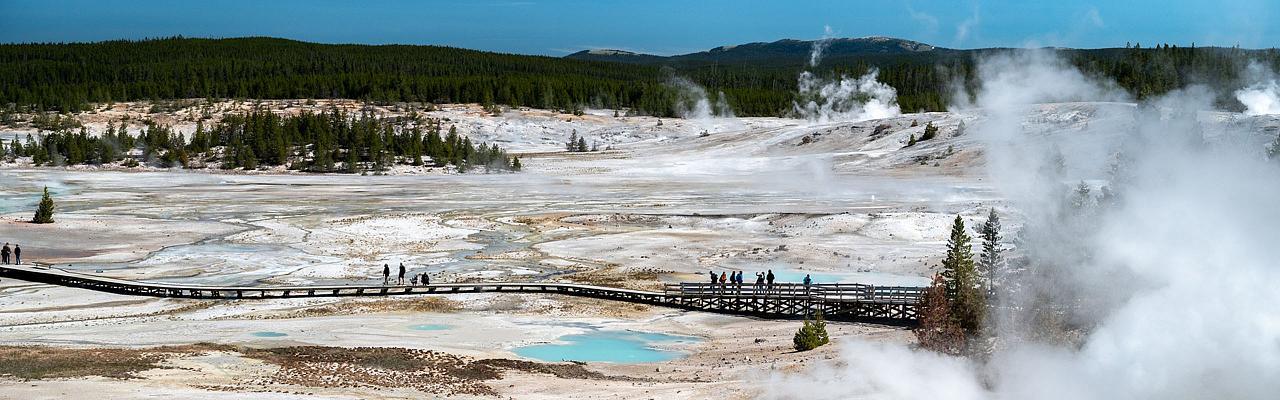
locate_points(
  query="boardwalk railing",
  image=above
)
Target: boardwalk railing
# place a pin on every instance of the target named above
(780, 300)
(836, 300)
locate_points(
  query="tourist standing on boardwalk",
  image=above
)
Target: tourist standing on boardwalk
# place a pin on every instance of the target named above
(386, 274)
(4, 253)
(759, 278)
(400, 277)
(807, 281)
(769, 280)
(426, 279)
(17, 254)
(713, 276)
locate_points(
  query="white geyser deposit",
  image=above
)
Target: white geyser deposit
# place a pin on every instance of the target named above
(1169, 272)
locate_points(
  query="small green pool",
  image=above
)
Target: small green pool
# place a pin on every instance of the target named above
(430, 327)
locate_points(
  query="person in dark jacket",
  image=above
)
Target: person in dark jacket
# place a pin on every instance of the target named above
(400, 277)
(386, 274)
(17, 254)
(768, 278)
(4, 253)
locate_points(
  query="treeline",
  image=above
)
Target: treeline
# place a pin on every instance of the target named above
(68, 77)
(329, 142)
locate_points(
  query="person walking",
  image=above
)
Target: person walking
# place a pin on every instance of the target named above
(17, 254)
(4, 253)
(400, 277)
(386, 274)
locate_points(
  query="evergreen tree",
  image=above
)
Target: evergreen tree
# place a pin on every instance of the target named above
(911, 141)
(1081, 198)
(582, 144)
(515, 164)
(44, 212)
(930, 131)
(572, 144)
(991, 260)
(964, 290)
(812, 334)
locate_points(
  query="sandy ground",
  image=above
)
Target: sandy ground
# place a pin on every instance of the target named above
(666, 203)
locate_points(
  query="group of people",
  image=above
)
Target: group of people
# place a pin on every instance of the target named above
(16, 253)
(735, 277)
(762, 278)
(386, 276)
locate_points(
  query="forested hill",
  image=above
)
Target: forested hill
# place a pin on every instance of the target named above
(781, 52)
(756, 79)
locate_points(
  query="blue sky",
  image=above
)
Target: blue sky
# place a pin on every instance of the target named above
(557, 27)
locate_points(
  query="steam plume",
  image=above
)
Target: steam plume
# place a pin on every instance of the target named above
(1173, 277)
(1263, 97)
(845, 99)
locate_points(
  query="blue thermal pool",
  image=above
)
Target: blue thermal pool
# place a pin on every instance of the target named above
(430, 327)
(607, 346)
(268, 334)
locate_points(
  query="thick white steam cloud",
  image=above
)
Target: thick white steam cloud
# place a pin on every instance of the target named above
(1263, 97)
(844, 99)
(1174, 272)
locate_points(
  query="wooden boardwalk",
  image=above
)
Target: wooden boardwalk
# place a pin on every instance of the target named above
(851, 302)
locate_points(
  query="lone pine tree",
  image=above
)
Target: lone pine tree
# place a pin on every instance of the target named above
(44, 212)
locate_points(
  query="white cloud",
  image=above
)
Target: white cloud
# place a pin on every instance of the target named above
(926, 20)
(965, 28)
(1095, 18)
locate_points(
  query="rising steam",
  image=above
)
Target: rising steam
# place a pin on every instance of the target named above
(1173, 272)
(693, 102)
(824, 100)
(1263, 97)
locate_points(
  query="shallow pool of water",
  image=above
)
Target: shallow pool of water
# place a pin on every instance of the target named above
(268, 334)
(430, 327)
(607, 346)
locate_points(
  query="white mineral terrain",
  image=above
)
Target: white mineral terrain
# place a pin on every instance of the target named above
(660, 202)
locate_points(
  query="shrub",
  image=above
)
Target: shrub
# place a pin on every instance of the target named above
(812, 334)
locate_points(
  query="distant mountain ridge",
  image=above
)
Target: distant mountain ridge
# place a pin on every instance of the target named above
(785, 49)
